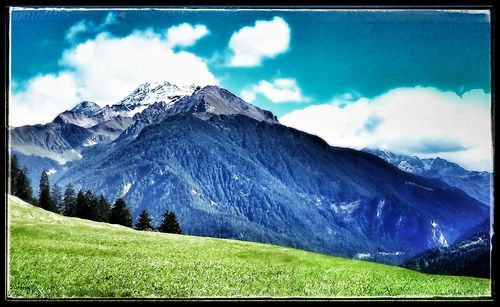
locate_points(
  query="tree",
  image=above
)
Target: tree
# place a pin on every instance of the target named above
(82, 209)
(57, 198)
(103, 209)
(92, 204)
(69, 201)
(45, 200)
(23, 187)
(169, 223)
(14, 175)
(144, 221)
(120, 214)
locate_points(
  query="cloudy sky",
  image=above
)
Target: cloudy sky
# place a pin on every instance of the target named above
(413, 82)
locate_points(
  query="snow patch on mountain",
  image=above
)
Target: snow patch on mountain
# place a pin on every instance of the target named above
(345, 208)
(418, 186)
(151, 92)
(89, 142)
(51, 171)
(380, 206)
(397, 253)
(438, 235)
(126, 188)
(362, 256)
(86, 107)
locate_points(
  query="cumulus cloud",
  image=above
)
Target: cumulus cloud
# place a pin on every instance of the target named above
(265, 39)
(425, 122)
(108, 68)
(278, 90)
(104, 70)
(76, 29)
(185, 35)
(43, 98)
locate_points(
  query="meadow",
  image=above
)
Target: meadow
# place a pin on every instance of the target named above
(52, 256)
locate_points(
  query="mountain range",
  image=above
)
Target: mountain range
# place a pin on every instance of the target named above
(230, 169)
(477, 184)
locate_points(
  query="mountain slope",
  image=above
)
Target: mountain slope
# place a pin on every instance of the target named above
(233, 176)
(477, 184)
(64, 141)
(87, 124)
(51, 256)
(469, 256)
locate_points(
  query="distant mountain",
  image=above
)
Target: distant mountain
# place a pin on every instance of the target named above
(83, 115)
(64, 142)
(87, 124)
(469, 256)
(477, 184)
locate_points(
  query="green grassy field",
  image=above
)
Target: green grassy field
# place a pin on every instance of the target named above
(52, 256)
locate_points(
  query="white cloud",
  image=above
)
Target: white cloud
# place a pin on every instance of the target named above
(88, 26)
(279, 90)
(43, 98)
(76, 29)
(110, 19)
(418, 121)
(185, 35)
(109, 68)
(105, 70)
(266, 39)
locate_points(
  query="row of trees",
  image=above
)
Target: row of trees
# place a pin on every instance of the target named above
(85, 205)
(20, 184)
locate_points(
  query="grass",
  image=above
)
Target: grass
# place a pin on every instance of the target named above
(51, 256)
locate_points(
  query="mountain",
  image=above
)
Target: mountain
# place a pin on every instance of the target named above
(63, 142)
(229, 169)
(151, 92)
(57, 141)
(87, 124)
(204, 103)
(477, 184)
(469, 256)
(83, 115)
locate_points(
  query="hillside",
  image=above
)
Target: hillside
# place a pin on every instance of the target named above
(52, 256)
(235, 177)
(469, 256)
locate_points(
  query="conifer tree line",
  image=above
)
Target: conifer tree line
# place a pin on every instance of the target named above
(84, 204)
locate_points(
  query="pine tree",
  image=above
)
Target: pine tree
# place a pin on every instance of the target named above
(92, 204)
(57, 198)
(144, 221)
(103, 209)
(23, 187)
(44, 199)
(14, 175)
(120, 214)
(69, 201)
(169, 223)
(82, 209)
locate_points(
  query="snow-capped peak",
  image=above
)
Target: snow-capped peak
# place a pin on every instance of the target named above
(86, 107)
(151, 92)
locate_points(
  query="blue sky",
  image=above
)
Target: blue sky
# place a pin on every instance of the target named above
(298, 64)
